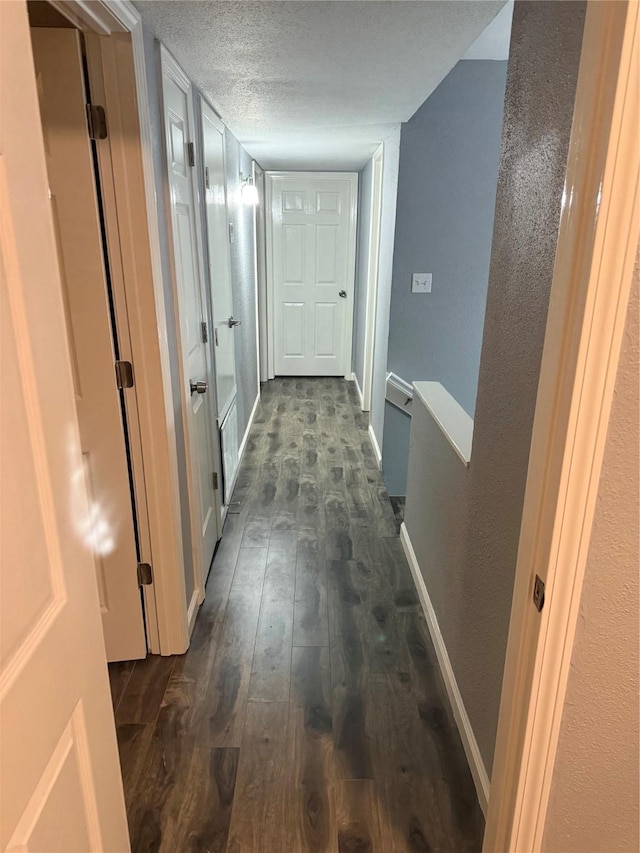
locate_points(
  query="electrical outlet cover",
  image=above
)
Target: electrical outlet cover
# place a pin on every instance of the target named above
(421, 282)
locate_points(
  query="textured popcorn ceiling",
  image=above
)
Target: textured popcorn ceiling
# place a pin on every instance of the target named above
(316, 85)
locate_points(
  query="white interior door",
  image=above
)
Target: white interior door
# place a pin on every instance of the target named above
(59, 770)
(312, 265)
(219, 261)
(58, 62)
(224, 323)
(197, 373)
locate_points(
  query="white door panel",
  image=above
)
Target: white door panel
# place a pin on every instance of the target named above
(229, 442)
(58, 63)
(59, 770)
(192, 311)
(221, 294)
(219, 260)
(312, 256)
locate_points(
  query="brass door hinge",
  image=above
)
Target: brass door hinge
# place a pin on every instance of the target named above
(96, 121)
(145, 574)
(124, 374)
(191, 153)
(538, 593)
(215, 480)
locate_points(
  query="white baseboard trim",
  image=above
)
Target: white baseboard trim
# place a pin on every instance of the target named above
(354, 378)
(243, 443)
(376, 446)
(472, 751)
(192, 611)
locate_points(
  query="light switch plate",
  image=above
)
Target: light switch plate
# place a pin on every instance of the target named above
(421, 282)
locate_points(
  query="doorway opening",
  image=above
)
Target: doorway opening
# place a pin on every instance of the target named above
(72, 124)
(311, 222)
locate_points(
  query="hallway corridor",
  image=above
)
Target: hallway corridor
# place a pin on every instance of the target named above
(308, 713)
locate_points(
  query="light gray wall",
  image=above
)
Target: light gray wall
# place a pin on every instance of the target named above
(471, 578)
(243, 277)
(362, 265)
(449, 153)
(594, 796)
(153, 76)
(391, 157)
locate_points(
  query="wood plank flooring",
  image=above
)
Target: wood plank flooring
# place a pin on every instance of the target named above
(308, 713)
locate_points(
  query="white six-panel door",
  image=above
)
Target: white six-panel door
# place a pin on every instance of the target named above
(224, 323)
(192, 309)
(58, 63)
(219, 260)
(311, 268)
(59, 770)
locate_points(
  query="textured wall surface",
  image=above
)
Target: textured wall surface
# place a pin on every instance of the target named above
(243, 276)
(484, 528)
(385, 268)
(362, 266)
(395, 450)
(152, 65)
(594, 793)
(449, 154)
(435, 512)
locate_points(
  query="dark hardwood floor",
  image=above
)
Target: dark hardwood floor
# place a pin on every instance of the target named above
(308, 713)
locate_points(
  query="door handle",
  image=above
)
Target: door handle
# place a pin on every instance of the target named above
(343, 293)
(233, 322)
(198, 387)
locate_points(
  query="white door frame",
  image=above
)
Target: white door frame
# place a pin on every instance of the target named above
(267, 332)
(373, 263)
(58, 748)
(597, 242)
(261, 272)
(133, 206)
(174, 71)
(219, 417)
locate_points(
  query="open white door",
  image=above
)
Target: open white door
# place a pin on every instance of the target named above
(224, 322)
(311, 269)
(192, 305)
(59, 771)
(58, 62)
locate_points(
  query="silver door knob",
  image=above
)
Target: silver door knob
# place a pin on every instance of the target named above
(343, 293)
(233, 322)
(198, 387)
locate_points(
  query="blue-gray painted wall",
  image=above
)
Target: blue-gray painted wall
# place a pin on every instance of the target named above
(449, 155)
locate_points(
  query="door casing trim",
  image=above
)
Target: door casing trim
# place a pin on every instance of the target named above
(205, 109)
(171, 68)
(138, 226)
(597, 242)
(353, 178)
(373, 265)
